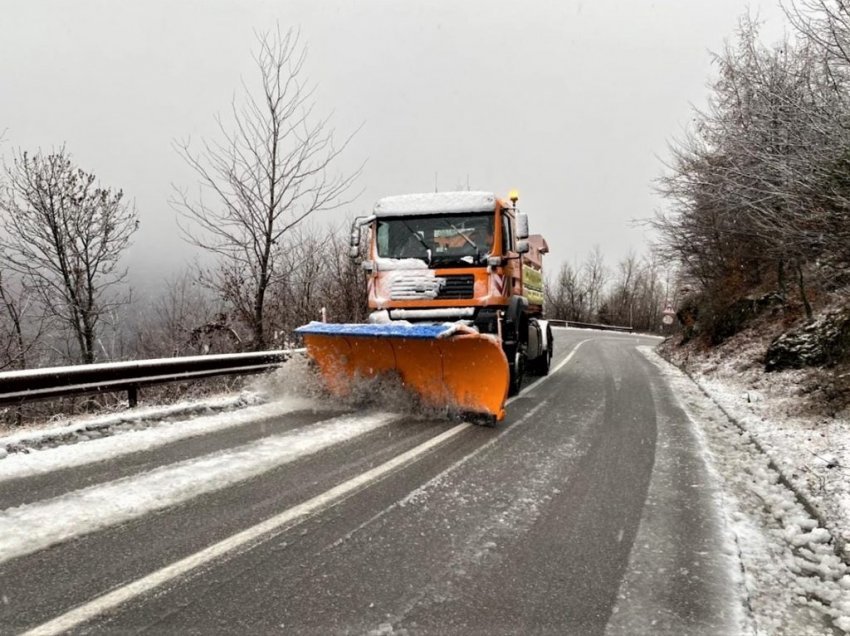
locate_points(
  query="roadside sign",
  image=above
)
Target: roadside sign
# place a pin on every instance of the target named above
(668, 314)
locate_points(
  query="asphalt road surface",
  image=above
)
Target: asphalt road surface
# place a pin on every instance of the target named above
(589, 510)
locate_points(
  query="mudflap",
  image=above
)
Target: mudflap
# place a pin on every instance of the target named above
(446, 365)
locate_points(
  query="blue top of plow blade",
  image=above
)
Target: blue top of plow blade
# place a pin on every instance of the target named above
(423, 331)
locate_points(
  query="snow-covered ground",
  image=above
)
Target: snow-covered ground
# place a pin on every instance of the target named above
(785, 496)
(795, 582)
(66, 430)
(812, 450)
(144, 433)
(28, 528)
(291, 387)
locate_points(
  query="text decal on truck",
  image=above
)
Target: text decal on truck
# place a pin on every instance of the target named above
(532, 284)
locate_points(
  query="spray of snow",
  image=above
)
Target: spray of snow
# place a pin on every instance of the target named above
(388, 392)
(32, 527)
(299, 378)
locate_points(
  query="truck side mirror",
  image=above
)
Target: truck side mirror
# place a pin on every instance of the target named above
(521, 225)
(354, 240)
(522, 247)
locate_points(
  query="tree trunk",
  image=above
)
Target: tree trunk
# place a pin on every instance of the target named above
(803, 296)
(88, 342)
(781, 282)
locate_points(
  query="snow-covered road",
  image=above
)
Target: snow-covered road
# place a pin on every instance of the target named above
(613, 499)
(35, 526)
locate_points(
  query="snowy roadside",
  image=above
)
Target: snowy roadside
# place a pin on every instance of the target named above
(32, 527)
(144, 434)
(75, 429)
(794, 581)
(811, 451)
(292, 387)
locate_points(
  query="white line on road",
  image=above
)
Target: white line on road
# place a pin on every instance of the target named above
(279, 522)
(32, 527)
(244, 539)
(20, 465)
(552, 372)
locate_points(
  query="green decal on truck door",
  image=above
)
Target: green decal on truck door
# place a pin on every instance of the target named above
(532, 283)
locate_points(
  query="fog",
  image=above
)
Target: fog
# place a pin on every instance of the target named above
(570, 102)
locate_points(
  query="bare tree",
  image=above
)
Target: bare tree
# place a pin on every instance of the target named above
(270, 170)
(564, 296)
(64, 235)
(758, 190)
(824, 23)
(576, 292)
(316, 273)
(595, 278)
(181, 319)
(636, 296)
(22, 324)
(345, 284)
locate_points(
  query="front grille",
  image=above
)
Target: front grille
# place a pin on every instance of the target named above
(457, 286)
(414, 286)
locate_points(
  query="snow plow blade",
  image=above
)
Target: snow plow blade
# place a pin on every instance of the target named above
(446, 365)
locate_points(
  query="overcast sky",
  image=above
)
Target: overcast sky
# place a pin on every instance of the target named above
(571, 102)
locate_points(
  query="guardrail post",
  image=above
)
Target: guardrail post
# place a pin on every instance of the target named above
(132, 396)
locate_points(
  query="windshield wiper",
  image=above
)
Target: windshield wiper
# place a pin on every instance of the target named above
(464, 236)
(421, 240)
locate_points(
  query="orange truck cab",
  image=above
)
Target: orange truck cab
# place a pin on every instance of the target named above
(459, 256)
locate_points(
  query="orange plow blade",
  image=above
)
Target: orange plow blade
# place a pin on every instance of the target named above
(446, 365)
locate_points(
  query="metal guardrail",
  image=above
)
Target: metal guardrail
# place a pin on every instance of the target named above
(17, 387)
(590, 325)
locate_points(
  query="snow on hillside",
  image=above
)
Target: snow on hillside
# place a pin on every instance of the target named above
(813, 450)
(785, 413)
(794, 582)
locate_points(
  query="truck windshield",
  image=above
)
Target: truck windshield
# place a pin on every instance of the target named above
(440, 239)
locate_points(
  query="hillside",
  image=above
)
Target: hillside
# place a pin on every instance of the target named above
(800, 417)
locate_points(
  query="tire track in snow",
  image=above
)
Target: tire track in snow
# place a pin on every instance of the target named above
(41, 462)
(117, 597)
(29, 528)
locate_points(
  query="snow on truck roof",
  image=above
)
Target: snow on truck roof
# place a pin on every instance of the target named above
(436, 202)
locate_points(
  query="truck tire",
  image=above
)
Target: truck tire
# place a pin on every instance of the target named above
(544, 362)
(517, 359)
(516, 362)
(514, 338)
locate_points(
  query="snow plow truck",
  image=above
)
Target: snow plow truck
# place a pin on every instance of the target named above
(455, 289)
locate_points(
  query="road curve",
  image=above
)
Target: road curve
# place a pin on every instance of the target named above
(589, 510)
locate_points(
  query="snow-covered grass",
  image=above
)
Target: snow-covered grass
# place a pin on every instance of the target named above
(28, 528)
(795, 580)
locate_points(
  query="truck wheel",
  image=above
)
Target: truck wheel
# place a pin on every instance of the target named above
(514, 328)
(545, 361)
(542, 365)
(517, 368)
